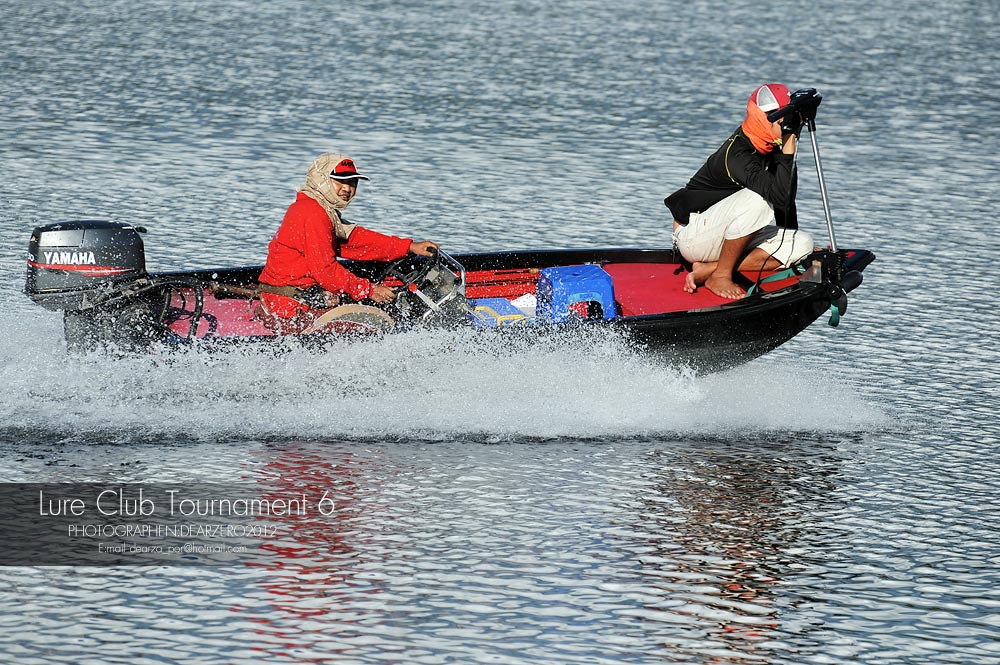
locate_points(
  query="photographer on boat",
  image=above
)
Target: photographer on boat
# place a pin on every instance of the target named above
(302, 256)
(738, 210)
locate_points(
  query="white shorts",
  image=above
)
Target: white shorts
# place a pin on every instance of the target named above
(738, 215)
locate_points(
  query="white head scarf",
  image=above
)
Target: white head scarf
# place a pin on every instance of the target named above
(319, 186)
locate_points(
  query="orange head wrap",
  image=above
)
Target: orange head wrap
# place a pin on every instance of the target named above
(757, 127)
(760, 132)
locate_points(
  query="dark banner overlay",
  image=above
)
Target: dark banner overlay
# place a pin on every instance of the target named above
(159, 524)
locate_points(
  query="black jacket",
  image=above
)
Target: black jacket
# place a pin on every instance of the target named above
(735, 165)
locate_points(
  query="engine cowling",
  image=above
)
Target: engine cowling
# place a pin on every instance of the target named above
(75, 266)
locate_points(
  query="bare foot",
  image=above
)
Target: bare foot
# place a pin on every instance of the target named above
(700, 271)
(723, 285)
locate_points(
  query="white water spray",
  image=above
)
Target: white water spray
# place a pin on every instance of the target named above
(421, 384)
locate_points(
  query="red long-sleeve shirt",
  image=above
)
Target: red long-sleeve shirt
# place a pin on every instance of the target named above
(304, 251)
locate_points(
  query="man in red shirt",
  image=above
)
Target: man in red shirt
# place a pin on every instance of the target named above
(304, 251)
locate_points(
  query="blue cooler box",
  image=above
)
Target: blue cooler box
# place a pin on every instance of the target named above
(559, 288)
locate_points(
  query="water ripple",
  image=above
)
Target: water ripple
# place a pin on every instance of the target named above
(832, 502)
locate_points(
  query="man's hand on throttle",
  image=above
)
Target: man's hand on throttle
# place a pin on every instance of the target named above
(423, 248)
(382, 294)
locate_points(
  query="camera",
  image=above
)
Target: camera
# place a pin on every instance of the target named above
(801, 108)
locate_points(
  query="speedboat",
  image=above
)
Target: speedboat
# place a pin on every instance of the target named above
(94, 272)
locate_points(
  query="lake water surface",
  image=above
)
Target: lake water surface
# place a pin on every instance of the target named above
(834, 501)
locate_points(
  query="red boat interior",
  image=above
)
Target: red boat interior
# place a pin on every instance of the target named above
(639, 289)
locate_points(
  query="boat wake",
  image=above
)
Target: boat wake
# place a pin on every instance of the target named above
(424, 385)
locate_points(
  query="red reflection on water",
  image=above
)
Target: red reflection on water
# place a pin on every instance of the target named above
(313, 582)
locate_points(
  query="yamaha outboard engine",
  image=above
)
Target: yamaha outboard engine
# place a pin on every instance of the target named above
(77, 265)
(95, 272)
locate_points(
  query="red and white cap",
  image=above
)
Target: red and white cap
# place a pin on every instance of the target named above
(345, 170)
(770, 97)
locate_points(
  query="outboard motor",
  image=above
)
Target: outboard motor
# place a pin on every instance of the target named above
(95, 272)
(78, 265)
